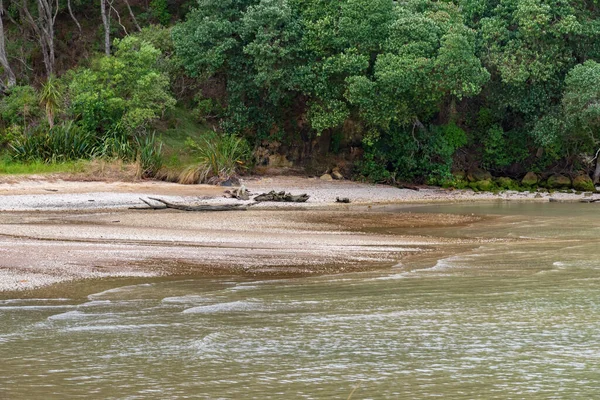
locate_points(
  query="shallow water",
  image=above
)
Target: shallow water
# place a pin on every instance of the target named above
(516, 318)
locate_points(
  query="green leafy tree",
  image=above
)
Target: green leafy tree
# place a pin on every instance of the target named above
(581, 103)
(208, 41)
(428, 60)
(529, 46)
(123, 92)
(428, 56)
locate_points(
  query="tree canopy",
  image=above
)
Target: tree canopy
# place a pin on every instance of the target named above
(421, 86)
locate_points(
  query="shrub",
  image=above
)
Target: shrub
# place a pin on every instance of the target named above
(51, 98)
(150, 157)
(20, 106)
(220, 157)
(117, 144)
(65, 142)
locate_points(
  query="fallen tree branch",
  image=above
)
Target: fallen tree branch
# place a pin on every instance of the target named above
(186, 207)
(150, 206)
(281, 197)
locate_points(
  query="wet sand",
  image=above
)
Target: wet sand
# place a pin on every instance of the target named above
(54, 231)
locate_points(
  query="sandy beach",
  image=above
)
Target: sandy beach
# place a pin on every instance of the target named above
(54, 231)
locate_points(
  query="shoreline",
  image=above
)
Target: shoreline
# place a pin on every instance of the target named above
(54, 231)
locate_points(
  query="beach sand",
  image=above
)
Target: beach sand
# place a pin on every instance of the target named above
(54, 231)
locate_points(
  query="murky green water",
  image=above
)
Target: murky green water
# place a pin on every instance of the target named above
(511, 319)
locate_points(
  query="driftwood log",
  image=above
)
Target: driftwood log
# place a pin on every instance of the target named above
(186, 207)
(281, 197)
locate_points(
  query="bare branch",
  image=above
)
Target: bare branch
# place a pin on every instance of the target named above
(132, 15)
(118, 17)
(43, 27)
(73, 16)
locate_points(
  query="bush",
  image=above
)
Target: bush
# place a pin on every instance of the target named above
(420, 154)
(20, 106)
(221, 157)
(117, 144)
(150, 156)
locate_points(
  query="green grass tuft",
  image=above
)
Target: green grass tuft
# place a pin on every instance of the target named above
(9, 167)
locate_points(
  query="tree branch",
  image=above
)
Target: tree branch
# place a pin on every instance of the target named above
(118, 17)
(132, 15)
(73, 16)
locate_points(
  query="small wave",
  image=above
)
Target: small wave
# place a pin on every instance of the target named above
(186, 299)
(118, 290)
(375, 316)
(402, 275)
(68, 315)
(207, 342)
(10, 337)
(94, 328)
(34, 308)
(234, 306)
(559, 264)
(242, 287)
(94, 303)
(16, 301)
(442, 265)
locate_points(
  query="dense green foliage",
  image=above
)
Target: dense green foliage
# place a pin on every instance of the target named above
(410, 74)
(424, 87)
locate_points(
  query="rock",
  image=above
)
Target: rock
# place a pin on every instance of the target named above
(530, 179)
(337, 175)
(326, 177)
(478, 174)
(342, 200)
(584, 183)
(505, 183)
(232, 181)
(240, 193)
(538, 196)
(279, 161)
(459, 175)
(558, 181)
